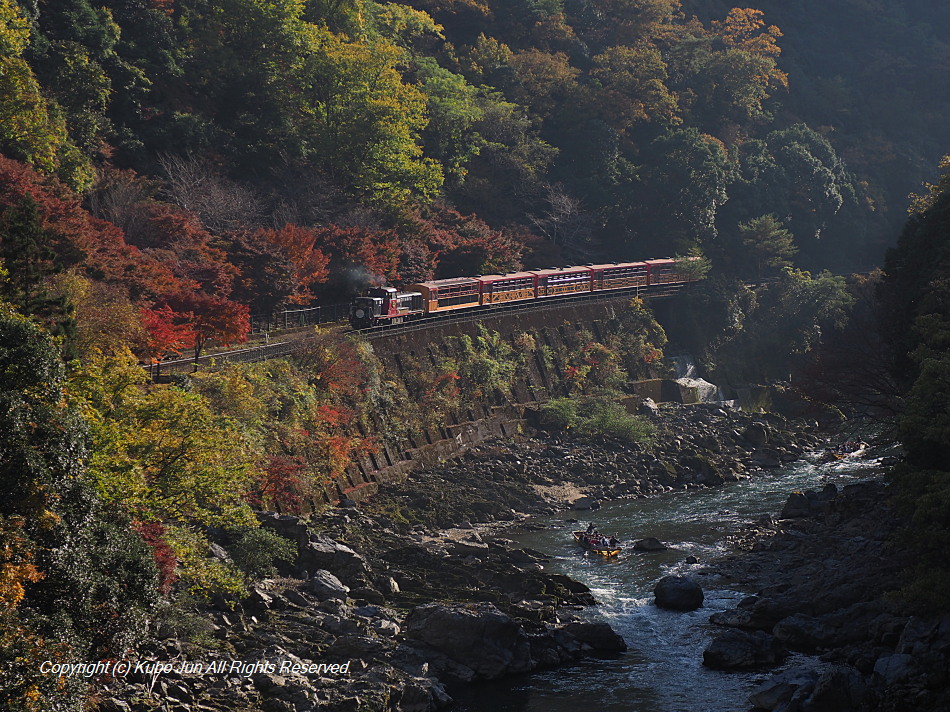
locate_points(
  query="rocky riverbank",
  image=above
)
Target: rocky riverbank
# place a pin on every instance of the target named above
(388, 602)
(825, 575)
(497, 482)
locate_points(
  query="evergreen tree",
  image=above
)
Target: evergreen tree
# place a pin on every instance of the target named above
(769, 244)
(29, 258)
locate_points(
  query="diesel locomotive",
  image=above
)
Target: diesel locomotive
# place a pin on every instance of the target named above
(380, 306)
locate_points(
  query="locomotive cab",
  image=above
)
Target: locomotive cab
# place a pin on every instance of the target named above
(365, 311)
(384, 305)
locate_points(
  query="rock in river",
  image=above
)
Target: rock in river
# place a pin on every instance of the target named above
(480, 637)
(650, 544)
(678, 593)
(598, 635)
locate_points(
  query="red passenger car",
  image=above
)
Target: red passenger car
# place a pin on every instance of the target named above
(619, 275)
(566, 280)
(498, 288)
(663, 271)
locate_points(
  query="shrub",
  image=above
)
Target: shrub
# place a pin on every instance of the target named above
(255, 551)
(598, 416)
(559, 414)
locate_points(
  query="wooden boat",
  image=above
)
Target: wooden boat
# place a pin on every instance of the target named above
(582, 540)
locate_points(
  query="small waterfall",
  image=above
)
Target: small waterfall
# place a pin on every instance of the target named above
(687, 375)
(683, 366)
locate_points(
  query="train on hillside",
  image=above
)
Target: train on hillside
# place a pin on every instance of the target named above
(382, 306)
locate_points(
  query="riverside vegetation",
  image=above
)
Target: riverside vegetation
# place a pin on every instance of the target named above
(179, 466)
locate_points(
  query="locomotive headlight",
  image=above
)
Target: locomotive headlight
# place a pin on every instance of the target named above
(359, 313)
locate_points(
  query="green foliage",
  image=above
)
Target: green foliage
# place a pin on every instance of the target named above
(360, 120)
(638, 339)
(559, 414)
(75, 582)
(786, 321)
(925, 423)
(487, 364)
(201, 575)
(794, 173)
(31, 126)
(256, 549)
(694, 265)
(681, 190)
(161, 453)
(595, 416)
(768, 244)
(924, 496)
(453, 110)
(432, 388)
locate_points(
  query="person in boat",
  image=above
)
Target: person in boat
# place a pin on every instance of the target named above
(590, 528)
(613, 541)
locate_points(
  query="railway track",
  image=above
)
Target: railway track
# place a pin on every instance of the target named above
(287, 346)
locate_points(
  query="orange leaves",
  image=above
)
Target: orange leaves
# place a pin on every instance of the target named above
(168, 331)
(309, 262)
(745, 29)
(282, 485)
(16, 567)
(376, 250)
(212, 318)
(153, 534)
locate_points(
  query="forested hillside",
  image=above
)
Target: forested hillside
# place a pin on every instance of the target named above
(278, 151)
(169, 168)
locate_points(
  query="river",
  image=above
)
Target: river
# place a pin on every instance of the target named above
(662, 671)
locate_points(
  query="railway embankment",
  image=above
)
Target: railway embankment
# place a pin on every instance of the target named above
(499, 370)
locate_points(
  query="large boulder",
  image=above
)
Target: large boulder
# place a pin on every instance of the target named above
(798, 505)
(739, 650)
(582, 504)
(678, 593)
(650, 544)
(803, 632)
(321, 552)
(810, 689)
(598, 635)
(756, 433)
(894, 668)
(780, 690)
(649, 408)
(325, 585)
(480, 638)
(840, 689)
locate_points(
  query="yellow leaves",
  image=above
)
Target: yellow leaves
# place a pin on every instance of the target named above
(633, 86)
(921, 203)
(198, 571)
(32, 128)
(161, 453)
(361, 119)
(14, 29)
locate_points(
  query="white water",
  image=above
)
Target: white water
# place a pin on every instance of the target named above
(662, 671)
